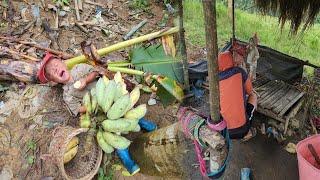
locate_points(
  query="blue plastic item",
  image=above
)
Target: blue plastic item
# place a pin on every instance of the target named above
(245, 174)
(127, 161)
(147, 125)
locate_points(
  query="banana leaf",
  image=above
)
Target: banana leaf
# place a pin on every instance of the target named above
(153, 59)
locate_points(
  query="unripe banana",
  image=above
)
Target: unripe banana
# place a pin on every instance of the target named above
(115, 125)
(105, 80)
(116, 141)
(109, 95)
(117, 77)
(121, 90)
(137, 113)
(103, 144)
(137, 128)
(85, 121)
(87, 102)
(73, 142)
(100, 91)
(119, 108)
(94, 102)
(68, 156)
(134, 96)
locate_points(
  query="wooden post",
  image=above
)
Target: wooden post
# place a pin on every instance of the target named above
(233, 22)
(183, 49)
(209, 10)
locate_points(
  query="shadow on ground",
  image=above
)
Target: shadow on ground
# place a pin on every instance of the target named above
(265, 157)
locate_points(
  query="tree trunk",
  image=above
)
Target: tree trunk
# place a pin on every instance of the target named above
(230, 9)
(209, 9)
(183, 49)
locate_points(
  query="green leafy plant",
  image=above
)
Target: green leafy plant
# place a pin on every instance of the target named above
(62, 2)
(139, 4)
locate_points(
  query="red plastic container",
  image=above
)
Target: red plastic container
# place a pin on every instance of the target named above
(308, 168)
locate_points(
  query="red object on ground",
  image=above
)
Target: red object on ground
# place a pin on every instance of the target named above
(308, 168)
(41, 75)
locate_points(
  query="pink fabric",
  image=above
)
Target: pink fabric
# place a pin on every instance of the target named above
(308, 168)
(217, 127)
(202, 163)
(185, 120)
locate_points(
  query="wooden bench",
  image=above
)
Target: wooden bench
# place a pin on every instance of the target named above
(278, 100)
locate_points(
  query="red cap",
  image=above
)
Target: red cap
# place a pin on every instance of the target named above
(41, 74)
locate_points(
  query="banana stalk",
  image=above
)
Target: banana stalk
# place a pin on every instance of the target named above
(82, 59)
(170, 85)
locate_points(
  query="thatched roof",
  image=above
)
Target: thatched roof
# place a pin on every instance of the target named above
(297, 12)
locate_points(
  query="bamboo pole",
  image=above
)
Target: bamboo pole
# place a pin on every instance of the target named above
(82, 59)
(183, 49)
(209, 9)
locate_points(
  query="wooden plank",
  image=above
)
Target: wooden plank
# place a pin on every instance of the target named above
(260, 81)
(268, 91)
(270, 94)
(268, 104)
(278, 98)
(270, 114)
(292, 113)
(265, 87)
(292, 102)
(284, 101)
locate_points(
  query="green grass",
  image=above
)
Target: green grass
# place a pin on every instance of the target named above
(305, 46)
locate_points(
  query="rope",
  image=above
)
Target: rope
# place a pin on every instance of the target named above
(185, 116)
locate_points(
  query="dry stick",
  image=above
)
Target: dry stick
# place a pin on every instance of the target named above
(19, 54)
(56, 52)
(94, 3)
(77, 10)
(183, 48)
(314, 153)
(81, 27)
(209, 9)
(80, 5)
(135, 29)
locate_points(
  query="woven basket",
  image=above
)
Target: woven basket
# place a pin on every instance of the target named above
(80, 167)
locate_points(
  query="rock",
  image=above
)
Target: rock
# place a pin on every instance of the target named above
(295, 124)
(6, 173)
(152, 102)
(66, 8)
(65, 23)
(291, 148)
(62, 13)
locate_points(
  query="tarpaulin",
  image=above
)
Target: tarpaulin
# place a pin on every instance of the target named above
(272, 64)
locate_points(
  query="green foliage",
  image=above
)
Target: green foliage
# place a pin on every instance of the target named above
(103, 176)
(139, 4)
(304, 46)
(30, 160)
(62, 2)
(31, 145)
